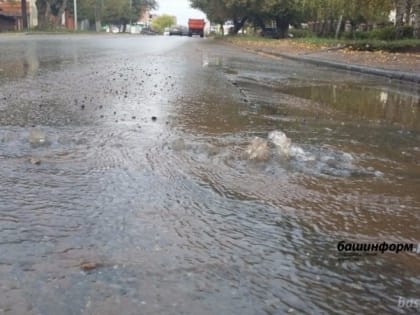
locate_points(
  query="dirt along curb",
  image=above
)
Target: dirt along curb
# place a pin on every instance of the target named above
(396, 66)
(391, 74)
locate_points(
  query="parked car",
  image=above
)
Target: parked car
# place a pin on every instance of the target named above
(148, 31)
(175, 30)
(185, 31)
(178, 30)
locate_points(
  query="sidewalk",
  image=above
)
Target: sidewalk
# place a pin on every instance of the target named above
(400, 66)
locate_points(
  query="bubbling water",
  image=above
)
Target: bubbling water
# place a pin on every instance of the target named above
(37, 137)
(258, 149)
(281, 141)
(319, 160)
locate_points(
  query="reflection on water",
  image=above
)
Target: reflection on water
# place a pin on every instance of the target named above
(366, 102)
(351, 179)
(19, 66)
(173, 213)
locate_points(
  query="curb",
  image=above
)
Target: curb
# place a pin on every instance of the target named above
(391, 74)
(63, 33)
(11, 34)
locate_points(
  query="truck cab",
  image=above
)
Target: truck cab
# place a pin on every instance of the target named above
(196, 27)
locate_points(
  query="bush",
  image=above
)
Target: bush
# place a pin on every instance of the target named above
(386, 33)
(391, 46)
(406, 32)
(361, 35)
(354, 35)
(390, 33)
(347, 36)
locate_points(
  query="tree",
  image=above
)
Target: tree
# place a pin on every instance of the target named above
(368, 10)
(241, 11)
(283, 12)
(400, 7)
(215, 10)
(161, 22)
(416, 12)
(85, 9)
(49, 12)
(220, 11)
(286, 12)
(109, 11)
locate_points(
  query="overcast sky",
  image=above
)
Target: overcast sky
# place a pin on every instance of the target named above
(180, 8)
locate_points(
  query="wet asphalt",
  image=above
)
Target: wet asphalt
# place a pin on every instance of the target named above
(126, 185)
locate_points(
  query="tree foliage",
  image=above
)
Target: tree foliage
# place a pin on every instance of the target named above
(120, 12)
(416, 12)
(257, 11)
(216, 10)
(220, 11)
(49, 12)
(368, 10)
(108, 11)
(285, 12)
(161, 22)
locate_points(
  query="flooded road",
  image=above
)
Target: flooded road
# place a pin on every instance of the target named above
(127, 184)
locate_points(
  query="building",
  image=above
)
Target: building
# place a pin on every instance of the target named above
(146, 18)
(10, 16)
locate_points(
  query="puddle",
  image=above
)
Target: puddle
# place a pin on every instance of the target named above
(365, 102)
(142, 166)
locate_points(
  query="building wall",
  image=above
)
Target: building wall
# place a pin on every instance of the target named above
(11, 12)
(7, 24)
(11, 16)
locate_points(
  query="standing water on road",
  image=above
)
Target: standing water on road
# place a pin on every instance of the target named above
(180, 176)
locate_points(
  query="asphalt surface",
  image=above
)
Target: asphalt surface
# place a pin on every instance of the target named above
(140, 175)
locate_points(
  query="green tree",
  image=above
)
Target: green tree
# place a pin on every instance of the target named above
(49, 12)
(161, 22)
(286, 12)
(416, 11)
(118, 12)
(85, 9)
(215, 10)
(220, 11)
(283, 12)
(241, 11)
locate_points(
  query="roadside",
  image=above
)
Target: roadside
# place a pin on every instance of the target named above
(405, 66)
(60, 32)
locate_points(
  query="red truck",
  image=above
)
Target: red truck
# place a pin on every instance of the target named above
(196, 27)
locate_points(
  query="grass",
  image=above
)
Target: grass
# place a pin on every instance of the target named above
(240, 37)
(403, 45)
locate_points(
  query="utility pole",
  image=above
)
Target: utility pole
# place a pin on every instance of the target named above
(75, 14)
(131, 4)
(24, 15)
(97, 16)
